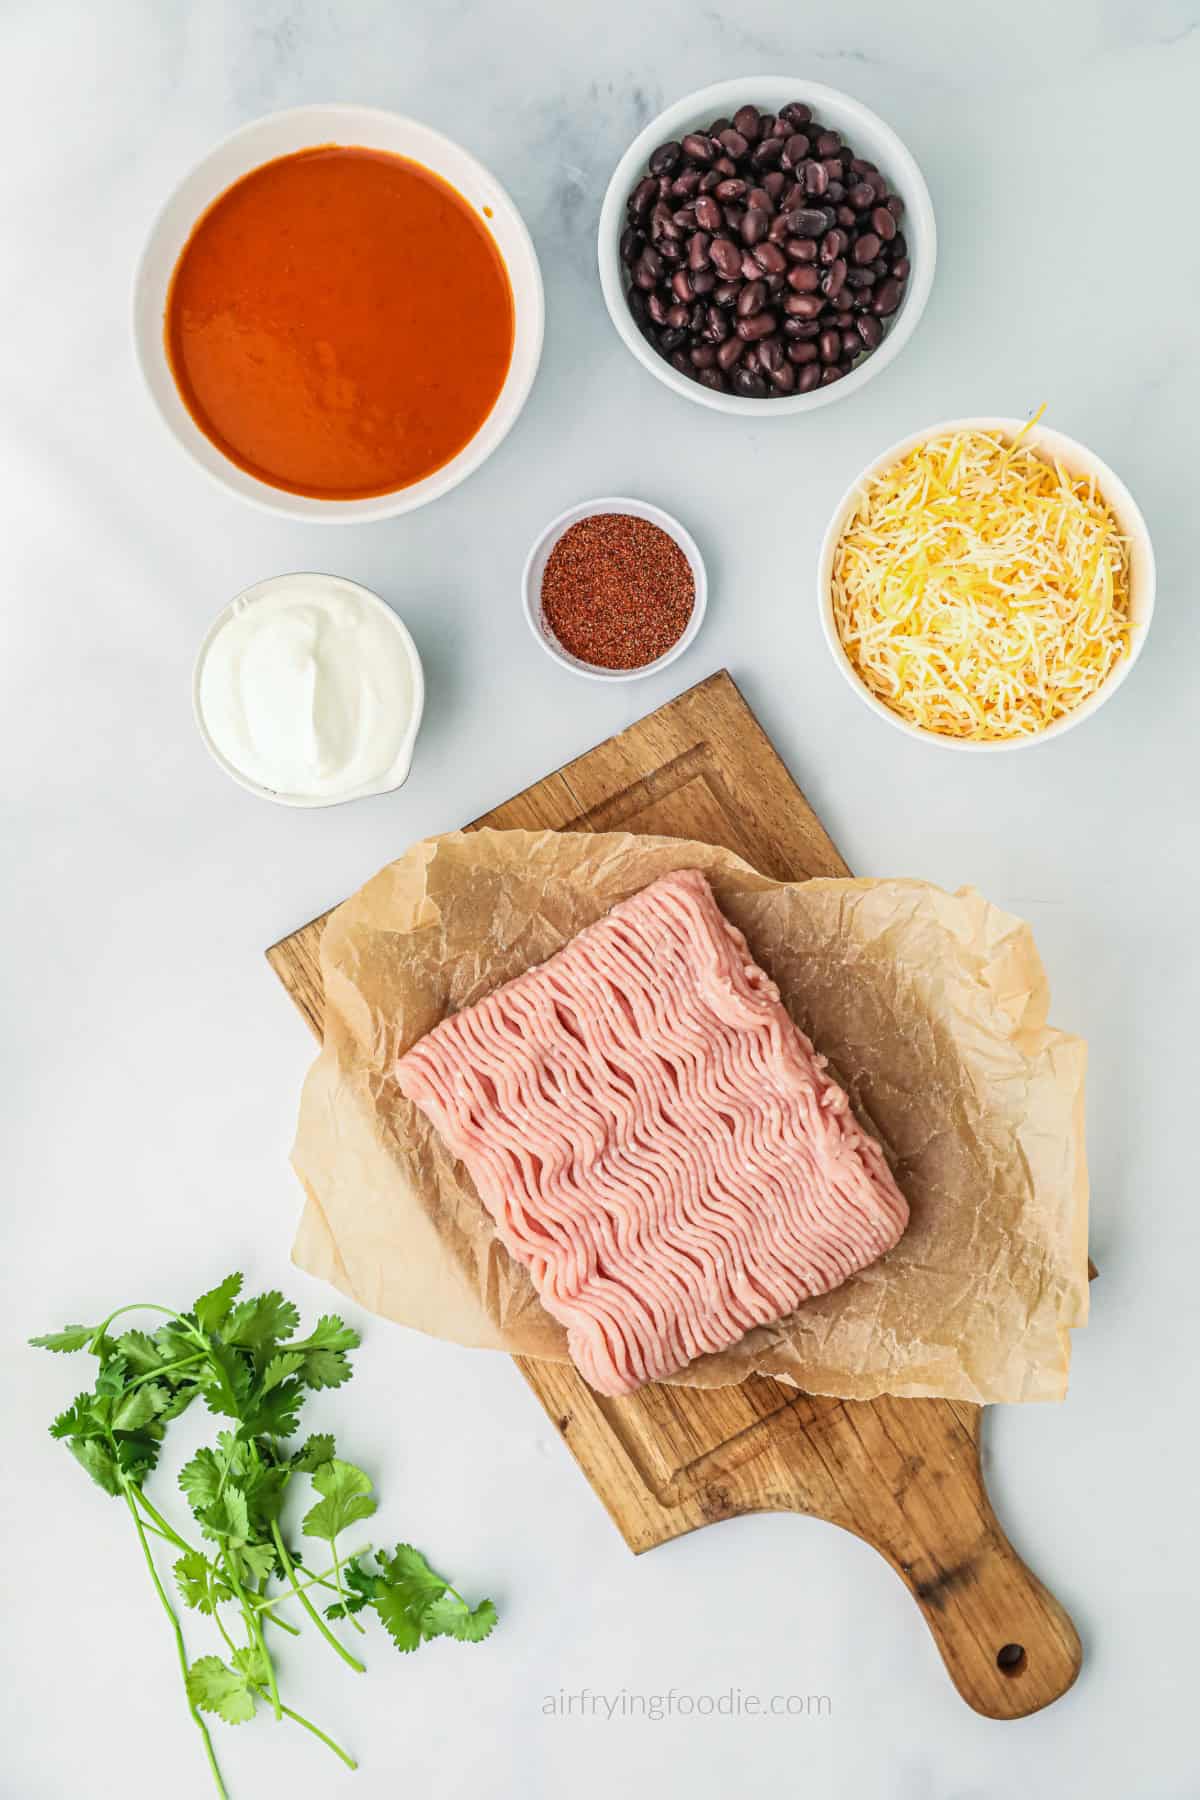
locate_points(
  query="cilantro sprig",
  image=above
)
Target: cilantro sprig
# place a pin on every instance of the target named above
(244, 1360)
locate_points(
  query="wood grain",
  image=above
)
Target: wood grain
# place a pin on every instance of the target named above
(902, 1474)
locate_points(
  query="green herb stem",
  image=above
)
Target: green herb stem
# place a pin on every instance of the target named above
(255, 1630)
(353, 1662)
(264, 1604)
(201, 1727)
(299, 1719)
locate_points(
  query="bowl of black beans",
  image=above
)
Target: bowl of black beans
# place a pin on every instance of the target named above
(766, 242)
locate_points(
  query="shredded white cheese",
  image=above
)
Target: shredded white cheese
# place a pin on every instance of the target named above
(979, 590)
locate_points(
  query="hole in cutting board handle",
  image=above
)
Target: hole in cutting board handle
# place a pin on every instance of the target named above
(1011, 1659)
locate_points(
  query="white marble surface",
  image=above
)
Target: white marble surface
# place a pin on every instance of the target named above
(152, 1066)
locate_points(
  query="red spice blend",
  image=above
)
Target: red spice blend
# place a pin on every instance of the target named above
(617, 591)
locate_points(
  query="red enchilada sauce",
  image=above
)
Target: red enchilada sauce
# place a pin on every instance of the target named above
(340, 323)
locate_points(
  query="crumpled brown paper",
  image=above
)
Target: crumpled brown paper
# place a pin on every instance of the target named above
(930, 1006)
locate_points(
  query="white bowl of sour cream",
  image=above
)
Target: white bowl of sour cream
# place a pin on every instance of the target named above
(308, 690)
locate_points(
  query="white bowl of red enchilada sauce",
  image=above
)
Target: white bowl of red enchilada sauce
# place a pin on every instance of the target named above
(339, 314)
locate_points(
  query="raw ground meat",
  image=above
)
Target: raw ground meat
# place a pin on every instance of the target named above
(654, 1138)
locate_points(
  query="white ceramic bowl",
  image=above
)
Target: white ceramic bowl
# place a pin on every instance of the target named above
(1077, 459)
(274, 584)
(280, 134)
(866, 132)
(535, 568)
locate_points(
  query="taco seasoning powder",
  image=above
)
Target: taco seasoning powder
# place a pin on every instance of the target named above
(617, 591)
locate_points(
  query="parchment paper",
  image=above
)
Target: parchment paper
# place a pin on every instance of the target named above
(930, 1006)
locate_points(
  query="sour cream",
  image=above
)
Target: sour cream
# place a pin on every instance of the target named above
(309, 689)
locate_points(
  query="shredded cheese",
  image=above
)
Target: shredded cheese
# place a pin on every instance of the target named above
(981, 591)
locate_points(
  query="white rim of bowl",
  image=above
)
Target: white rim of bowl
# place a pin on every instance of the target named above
(1121, 502)
(451, 474)
(257, 591)
(638, 509)
(909, 180)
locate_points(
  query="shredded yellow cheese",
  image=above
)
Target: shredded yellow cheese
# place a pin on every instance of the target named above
(979, 590)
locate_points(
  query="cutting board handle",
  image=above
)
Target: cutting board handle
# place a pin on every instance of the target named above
(1009, 1646)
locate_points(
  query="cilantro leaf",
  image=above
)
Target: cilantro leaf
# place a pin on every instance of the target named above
(77, 1421)
(313, 1452)
(139, 1406)
(346, 1496)
(216, 1688)
(255, 1560)
(227, 1383)
(71, 1337)
(250, 1663)
(277, 1412)
(331, 1333)
(200, 1479)
(451, 1617)
(200, 1583)
(140, 1352)
(397, 1621)
(95, 1456)
(285, 1363)
(212, 1309)
(325, 1368)
(112, 1377)
(408, 1575)
(227, 1517)
(266, 1319)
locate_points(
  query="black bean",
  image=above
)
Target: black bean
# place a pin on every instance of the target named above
(774, 184)
(632, 242)
(713, 378)
(647, 269)
(708, 181)
(726, 292)
(656, 306)
(698, 149)
(851, 342)
(734, 144)
(877, 184)
(795, 149)
(862, 166)
(729, 352)
(783, 379)
(733, 220)
(681, 285)
(830, 374)
(685, 185)
(718, 126)
(804, 306)
(750, 269)
(755, 225)
(759, 325)
(870, 331)
(803, 278)
(703, 281)
(860, 278)
(835, 278)
(884, 223)
(771, 258)
(801, 353)
(815, 179)
(662, 221)
(834, 244)
(749, 384)
(808, 378)
(802, 250)
(899, 245)
(697, 250)
(716, 325)
(672, 337)
(770, 354)
(703, 356)
(708, 213)
(759, 197)
(726, 257)
(830, 345)
(861, 197)
(766, 153)
(643, 197)
(677, 314)
(752, 298)
(696, 317)
(895, 205)
(802, 330)
(746, 120)
(732, 188)
(665, 160)
(900, 268)
(809, 221)
(887, 297)
(828, 142)
(835, 193)
(845, 217)
(866, 248)
(680, 360)
(671, 250)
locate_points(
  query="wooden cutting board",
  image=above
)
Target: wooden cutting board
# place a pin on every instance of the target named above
(902, 1474)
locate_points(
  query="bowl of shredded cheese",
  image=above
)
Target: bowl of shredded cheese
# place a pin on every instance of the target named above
(986, 584)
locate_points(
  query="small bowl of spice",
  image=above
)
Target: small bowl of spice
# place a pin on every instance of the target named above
(614, 589)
